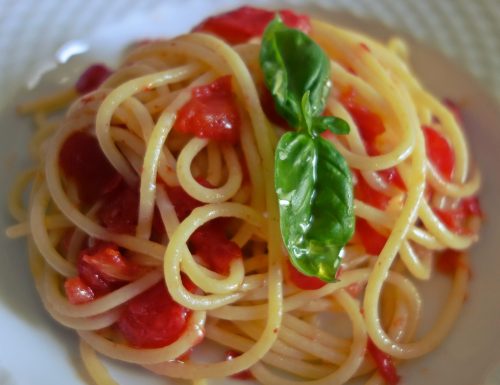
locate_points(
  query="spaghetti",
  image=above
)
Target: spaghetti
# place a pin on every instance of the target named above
(153, 224)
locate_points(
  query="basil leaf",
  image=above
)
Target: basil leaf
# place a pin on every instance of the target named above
(292, 64)
(314, 189)
(330, 123)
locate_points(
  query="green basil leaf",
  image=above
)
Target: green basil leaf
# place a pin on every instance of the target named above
(314, 188)
(330, 123)
(292, 64)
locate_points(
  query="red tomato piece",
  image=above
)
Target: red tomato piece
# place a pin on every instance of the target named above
(303, 281)
(211, 244)
(119, 212)
(371, 239)
(105, 269)
(440, 152)
(365, 193)
(83, 162)
(77, 291)
(183, 203)
(211, 112)
(153, 319)
(243, 375)
(244, 23)
(391, 177)
(369, 124)
(92, 78)
(449, 261)
(384, 363)
(456, 219)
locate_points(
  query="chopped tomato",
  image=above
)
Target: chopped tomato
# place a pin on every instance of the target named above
(182, 201)
(153, 319)
(384, 364)
(209, 241)
(456, 219)
(365, 193)
(83, 162)
(119, 212)
(449, 261)
(244, 23)
(371, 239)
(243, 375)
(303, 281)
(211, 112)
(105, 269)
(77, 291)
(440, 152)
(92, 78)
(211, 244)
(370, 125)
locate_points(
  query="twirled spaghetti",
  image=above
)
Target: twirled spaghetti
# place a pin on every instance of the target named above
(126, 201)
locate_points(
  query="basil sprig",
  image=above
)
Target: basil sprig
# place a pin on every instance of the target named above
(312, 179)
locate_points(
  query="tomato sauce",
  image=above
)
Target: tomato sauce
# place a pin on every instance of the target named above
(212, 113)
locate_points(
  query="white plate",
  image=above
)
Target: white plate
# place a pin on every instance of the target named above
(34, 349)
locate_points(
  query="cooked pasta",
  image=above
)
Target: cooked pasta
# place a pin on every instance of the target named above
(150, 237)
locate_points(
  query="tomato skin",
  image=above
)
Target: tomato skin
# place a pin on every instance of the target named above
(439, 152)
(77, 291)
(384, 364)
(211, 244)
(119, 213)
(370, 125)
(104, 269)
(153, 319)
(209, 241)
(92, 78)
(365, 193)
(303, 281)
(242, 24)
(456, 219)
(371, 239)
(83, 162)
(211, 112)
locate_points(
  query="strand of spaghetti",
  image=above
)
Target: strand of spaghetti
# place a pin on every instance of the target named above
(154, 147)
(14, 201)
(52, 222)
(214, 166)
(95, 368)
(118, 96)
(293, 302)
(68, 209)
(194, 332)
(266, 141)
(252, 330)
(441, 232)
(198, 191)
(41, 236)
(203, 278)
(176, 247)
(467, 189)
(287, 364)
(420, 269)
(99, 305)
(347, 369)
(444, 322)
